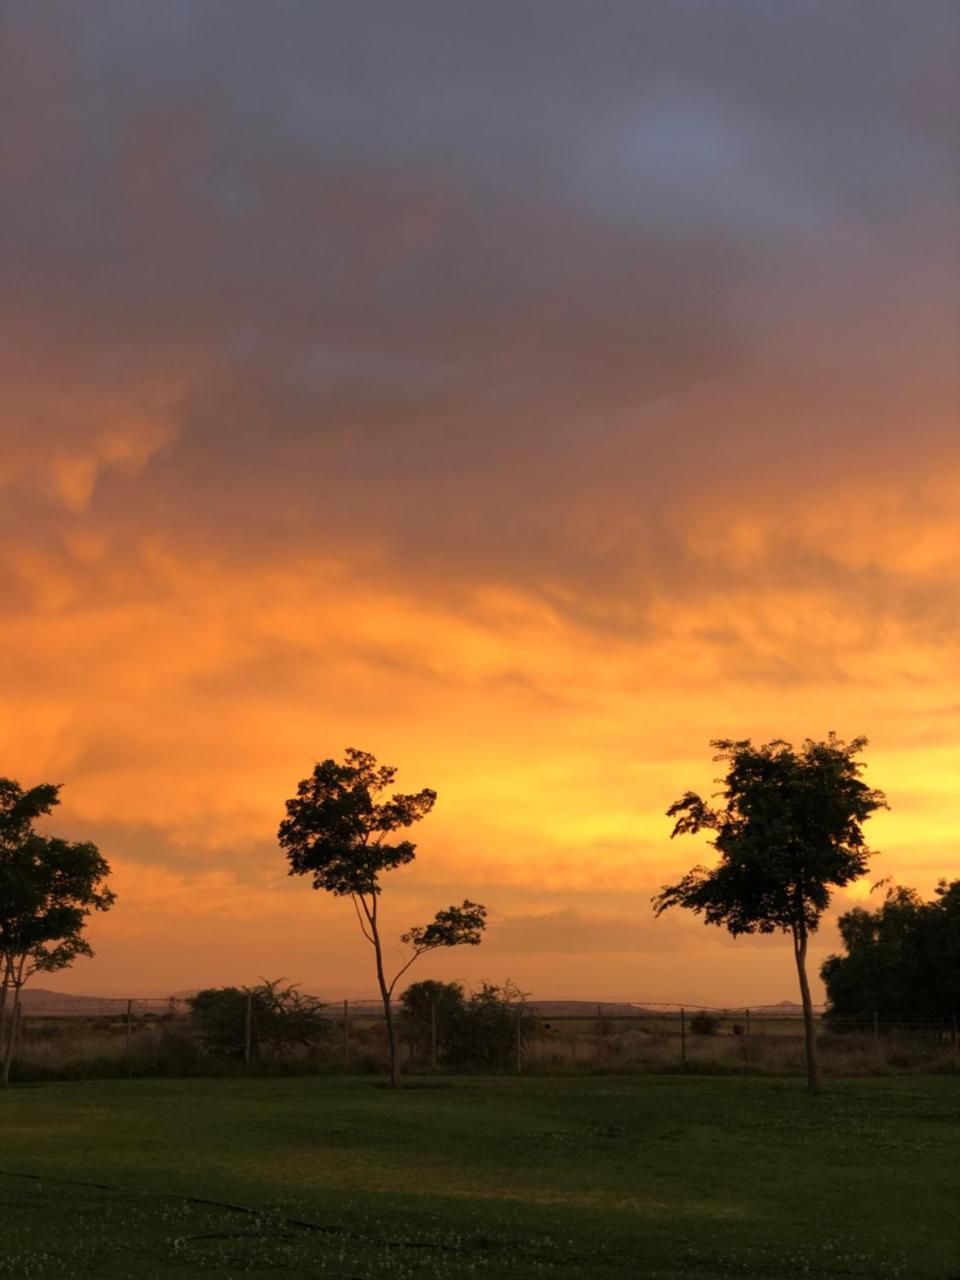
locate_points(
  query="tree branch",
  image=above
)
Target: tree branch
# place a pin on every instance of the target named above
(400, 972)
(363, 927)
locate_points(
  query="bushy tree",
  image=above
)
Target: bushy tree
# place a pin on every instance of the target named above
(220, 1017)
(476, 1031)
(704, 1024)
(788, 831)
(902, 960)
(340, 830)
(427, 1007)
(281, 1018)
(484, 1036)
(48, 888)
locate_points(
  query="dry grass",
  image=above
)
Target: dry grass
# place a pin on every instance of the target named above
(777, 1054)
(98, 1048)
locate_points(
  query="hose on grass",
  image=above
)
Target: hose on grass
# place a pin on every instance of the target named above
(323, 1228)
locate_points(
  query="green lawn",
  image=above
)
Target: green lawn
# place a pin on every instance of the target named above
(562, 1178)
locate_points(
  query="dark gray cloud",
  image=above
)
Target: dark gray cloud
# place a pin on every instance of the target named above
(478, 292)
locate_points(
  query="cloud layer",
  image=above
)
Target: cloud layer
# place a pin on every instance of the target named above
(528, 393)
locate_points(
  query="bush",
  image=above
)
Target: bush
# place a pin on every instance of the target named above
(427, 1004)
(704, 1024)
(475, 1032)
(281, 1019)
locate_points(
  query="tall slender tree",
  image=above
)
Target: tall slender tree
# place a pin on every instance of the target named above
(48, 888)
(789, 830)
(341, 830)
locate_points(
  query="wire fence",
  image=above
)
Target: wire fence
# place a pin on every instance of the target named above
(620, 1012)
(601, 1016)
(559, 1035)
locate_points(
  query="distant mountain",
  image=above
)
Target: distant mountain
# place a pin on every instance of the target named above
(38, 1002)
(329, 995)
(585, 1009)
(785, 1009)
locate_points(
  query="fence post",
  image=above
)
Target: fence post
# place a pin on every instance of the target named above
(876, 1032)
(683, 1036)
(129, 1035)
(747, 1035)
(248, 1030)
(346, 1036)
(433, 1032)
(956, 1038)
(519, 1043)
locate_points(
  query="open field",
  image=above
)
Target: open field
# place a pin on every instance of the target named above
(560, 1177)
(66, 1048)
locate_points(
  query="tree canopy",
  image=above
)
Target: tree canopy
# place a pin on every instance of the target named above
(474, 1032)
(281, 1017)
(48, 888)
(788, 830)
(902, 960)
(337, 826)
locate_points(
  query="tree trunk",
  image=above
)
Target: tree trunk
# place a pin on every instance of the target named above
(11, 1034)
(4, 988)
(809, 1032)
(387, 1009)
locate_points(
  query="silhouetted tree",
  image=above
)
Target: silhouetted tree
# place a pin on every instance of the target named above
(474, 1032)
(483, 1037)
(902, 960)
(219, 1015)
(704, 1024)
(48, 887)
(427, 1006)
(789, 830)
(281, 1018)
(338, 830)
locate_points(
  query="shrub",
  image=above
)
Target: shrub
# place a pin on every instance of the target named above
(427, 1004)
(475, 1032)
(704, 1024)
(281, 1019)
(484, 1036)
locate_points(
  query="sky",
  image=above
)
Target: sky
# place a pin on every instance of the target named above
(527, 393)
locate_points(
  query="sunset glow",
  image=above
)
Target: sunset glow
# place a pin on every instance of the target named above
(526, 415)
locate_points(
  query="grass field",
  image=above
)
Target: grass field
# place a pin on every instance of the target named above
(559, 1178)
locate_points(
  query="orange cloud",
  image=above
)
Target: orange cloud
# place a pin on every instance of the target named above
(530, 429)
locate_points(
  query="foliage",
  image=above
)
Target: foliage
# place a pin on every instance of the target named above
(48, 888)
(427, 1005)
(337, 825)
(340, 829)
(220, 1016)
(484, 1037)
(475, 1031)
(286, 1018)
(704, 1024)
(451, 927)
(902, 960)
(281, 1018)
(789, 830)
